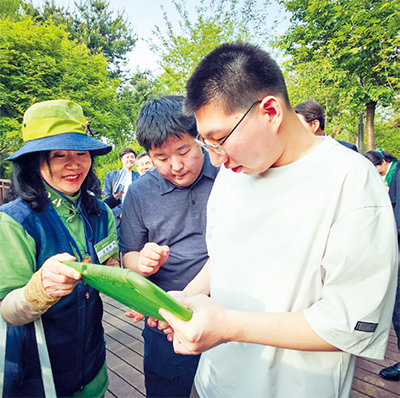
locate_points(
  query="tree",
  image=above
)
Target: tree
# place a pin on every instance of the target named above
(317, 81)
(38, 63)
(9, 8)
(218, 22)
(92, 23)
(361, 41)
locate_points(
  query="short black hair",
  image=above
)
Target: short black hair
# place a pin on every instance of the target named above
(389, 157)
(311, 110)
(141, 155)
(375, 157)
(125, 151)
(161, 119)
(234, 75)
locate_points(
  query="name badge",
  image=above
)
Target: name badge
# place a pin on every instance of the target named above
(106, 248)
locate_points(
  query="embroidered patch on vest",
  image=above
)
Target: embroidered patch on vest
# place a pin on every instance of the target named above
(366, 327)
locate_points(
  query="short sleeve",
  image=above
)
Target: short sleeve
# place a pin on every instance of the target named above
(351, 270)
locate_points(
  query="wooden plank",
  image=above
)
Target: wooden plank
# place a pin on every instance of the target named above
(119, 388)
(369, 373)
(124, 345)
(125, 360)
(372, 390)
(126, 371)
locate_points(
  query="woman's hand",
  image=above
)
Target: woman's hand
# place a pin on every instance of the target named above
(57, 278)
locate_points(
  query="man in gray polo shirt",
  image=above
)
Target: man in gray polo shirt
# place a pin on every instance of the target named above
(163, 228)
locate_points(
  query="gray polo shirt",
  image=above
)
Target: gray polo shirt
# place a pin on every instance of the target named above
(155, 210)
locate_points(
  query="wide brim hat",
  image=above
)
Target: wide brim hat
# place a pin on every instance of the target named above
(57, 125)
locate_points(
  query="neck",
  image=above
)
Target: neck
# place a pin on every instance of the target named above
(298, 141)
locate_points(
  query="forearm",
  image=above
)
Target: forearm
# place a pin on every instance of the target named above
(15, 310)
(131, 260)
(201, 283)
(283, 330)
(212, 325)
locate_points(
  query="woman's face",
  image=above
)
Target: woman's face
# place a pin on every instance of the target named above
(383, 167)
(68, 170)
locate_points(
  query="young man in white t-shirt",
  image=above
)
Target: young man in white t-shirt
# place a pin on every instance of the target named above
(301, 238)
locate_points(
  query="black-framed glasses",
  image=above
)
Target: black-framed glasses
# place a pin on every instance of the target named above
(217, 148)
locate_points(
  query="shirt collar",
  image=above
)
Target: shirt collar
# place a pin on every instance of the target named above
(64, 204)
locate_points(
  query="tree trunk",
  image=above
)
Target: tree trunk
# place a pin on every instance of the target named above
(370, 125)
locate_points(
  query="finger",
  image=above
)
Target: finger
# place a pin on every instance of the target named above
(152, 322)
(170, 318)
(68, 272)
(163, 325)
(164, 250)
(136, 316)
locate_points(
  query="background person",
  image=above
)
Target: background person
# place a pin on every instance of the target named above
(393, 372)
(163, 228)
(48, 223)
(143, 163)
(311, 114)
(298, 286)
(384, 162)
(116, 183)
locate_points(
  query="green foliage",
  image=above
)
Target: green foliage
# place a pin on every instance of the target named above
(92, 23)
(38, 63)
(218, 21)
(9, 8)
(352, 47)
(387, 132)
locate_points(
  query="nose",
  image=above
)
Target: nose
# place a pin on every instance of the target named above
(217, 159)
(176, 163)
(72, 162)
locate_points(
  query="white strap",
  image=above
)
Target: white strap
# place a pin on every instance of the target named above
(47, 374)
(3, 339)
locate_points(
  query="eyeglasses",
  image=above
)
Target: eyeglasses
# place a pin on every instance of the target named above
(217, 148)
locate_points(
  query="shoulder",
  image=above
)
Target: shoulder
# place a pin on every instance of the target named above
(348, 145)
(111, 173)
(17, 209)
(135, 175)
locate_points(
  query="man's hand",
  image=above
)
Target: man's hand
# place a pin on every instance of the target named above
(151, 258)
(112, 262)
(204, 331)
(136, 316)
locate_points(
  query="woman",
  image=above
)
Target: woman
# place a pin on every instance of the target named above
(55, 218)
(384, 162)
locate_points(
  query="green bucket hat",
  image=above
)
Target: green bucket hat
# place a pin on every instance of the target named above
(57, 125)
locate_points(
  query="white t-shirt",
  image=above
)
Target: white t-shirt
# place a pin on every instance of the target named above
(316, 235)
(126, 181)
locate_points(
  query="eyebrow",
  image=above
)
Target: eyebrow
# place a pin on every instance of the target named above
(178, 149)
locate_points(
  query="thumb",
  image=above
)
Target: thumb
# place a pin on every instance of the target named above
(170, 318)
(165, 250)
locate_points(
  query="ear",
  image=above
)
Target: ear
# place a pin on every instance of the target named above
(315, 124)
(272, 110)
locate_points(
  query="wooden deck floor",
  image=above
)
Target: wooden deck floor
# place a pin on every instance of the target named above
(125, 360)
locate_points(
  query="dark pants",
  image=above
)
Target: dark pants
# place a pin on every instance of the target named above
(166, 374)
(396, 311)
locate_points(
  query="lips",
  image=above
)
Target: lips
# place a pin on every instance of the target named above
(72, 178)
(236, 169)
(180, 176)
